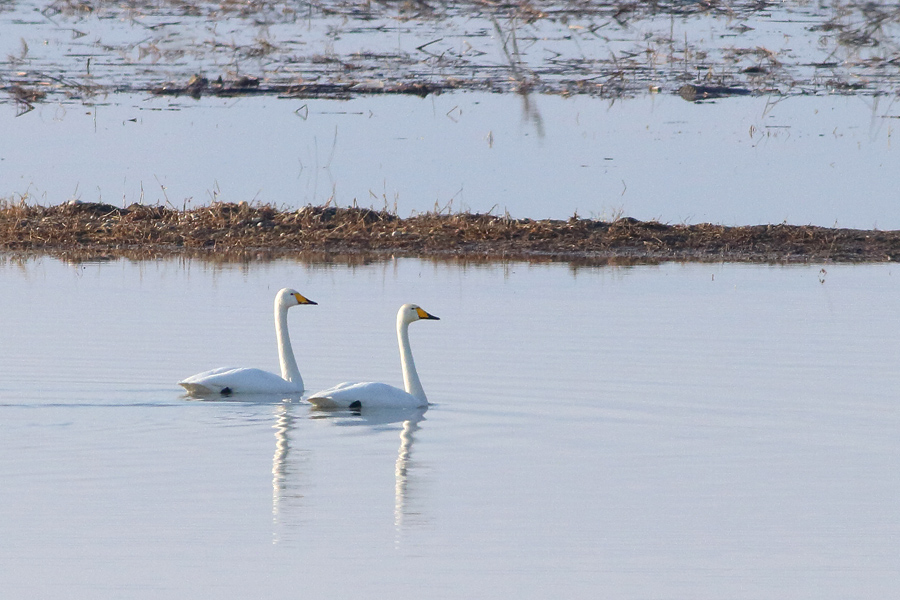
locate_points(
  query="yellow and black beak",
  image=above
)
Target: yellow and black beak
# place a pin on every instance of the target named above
(424, 315)
(302, 300)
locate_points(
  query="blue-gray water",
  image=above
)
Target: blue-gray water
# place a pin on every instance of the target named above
(823, 161)
(701, 431)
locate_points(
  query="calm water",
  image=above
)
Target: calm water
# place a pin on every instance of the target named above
(823, 161)
(700, 431)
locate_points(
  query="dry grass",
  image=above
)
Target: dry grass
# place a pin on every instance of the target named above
(608, 48)
(239, 231)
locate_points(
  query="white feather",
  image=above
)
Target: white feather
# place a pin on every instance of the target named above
(381, 395)
(227, 381)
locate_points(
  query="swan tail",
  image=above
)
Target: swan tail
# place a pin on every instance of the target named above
(325, 402)
(198, 389)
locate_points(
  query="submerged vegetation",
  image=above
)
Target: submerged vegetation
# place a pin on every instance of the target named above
(82, 50)
(239, 231)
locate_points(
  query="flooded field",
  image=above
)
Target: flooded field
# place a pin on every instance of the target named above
(82, 49)
(737, 113)
(700, 431)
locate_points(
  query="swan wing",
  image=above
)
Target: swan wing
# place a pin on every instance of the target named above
(364, 395)
(227, 381)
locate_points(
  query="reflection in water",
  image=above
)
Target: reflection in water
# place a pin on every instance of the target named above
(401, 467)
(410, 420)
(510, 47)
(286, 423)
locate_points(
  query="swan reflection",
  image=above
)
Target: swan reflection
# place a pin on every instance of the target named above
(283, 468)
(401, 467)
(287, 421)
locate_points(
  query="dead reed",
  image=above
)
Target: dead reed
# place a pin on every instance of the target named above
(609, 49)
(239, 231)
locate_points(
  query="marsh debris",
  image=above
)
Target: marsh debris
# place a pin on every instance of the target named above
(699, 93)
(25, 97)
(235, 231)
(198, 86)
(340, 48)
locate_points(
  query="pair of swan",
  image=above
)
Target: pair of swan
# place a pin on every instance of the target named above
(227, 381)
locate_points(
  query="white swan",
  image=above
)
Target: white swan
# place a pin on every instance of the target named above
(382, 395)
(226, 381)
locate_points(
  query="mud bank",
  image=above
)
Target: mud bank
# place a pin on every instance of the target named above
(83, 231)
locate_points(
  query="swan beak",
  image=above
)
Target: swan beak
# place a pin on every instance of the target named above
(424, 315)
(301, 300)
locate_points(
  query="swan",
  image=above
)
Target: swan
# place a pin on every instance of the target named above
(226, 381)
(382, 395)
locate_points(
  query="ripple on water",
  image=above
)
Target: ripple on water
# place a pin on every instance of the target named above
(671, 431)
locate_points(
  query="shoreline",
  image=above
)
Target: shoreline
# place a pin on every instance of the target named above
(240, 232)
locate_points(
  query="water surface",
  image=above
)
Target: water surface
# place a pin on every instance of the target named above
(821, 161)
(79, 51)
(700, 431)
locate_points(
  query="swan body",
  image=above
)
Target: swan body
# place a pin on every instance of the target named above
(365, 393)
(381, 395)
(226, 381)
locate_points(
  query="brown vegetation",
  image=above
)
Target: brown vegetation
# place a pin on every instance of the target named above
(238, 231)
(609, 48)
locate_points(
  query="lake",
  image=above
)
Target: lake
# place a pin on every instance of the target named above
(674, 431)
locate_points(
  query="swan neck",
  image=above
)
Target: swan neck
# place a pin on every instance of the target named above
(289, 370)
(410, 377)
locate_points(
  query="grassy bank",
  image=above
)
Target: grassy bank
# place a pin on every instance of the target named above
(241, 231)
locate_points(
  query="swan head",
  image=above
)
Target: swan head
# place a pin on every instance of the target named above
(288, 297)
(409, 313)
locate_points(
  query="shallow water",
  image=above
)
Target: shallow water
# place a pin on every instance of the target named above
(700, 431)
(79, 49)
(821, 161)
